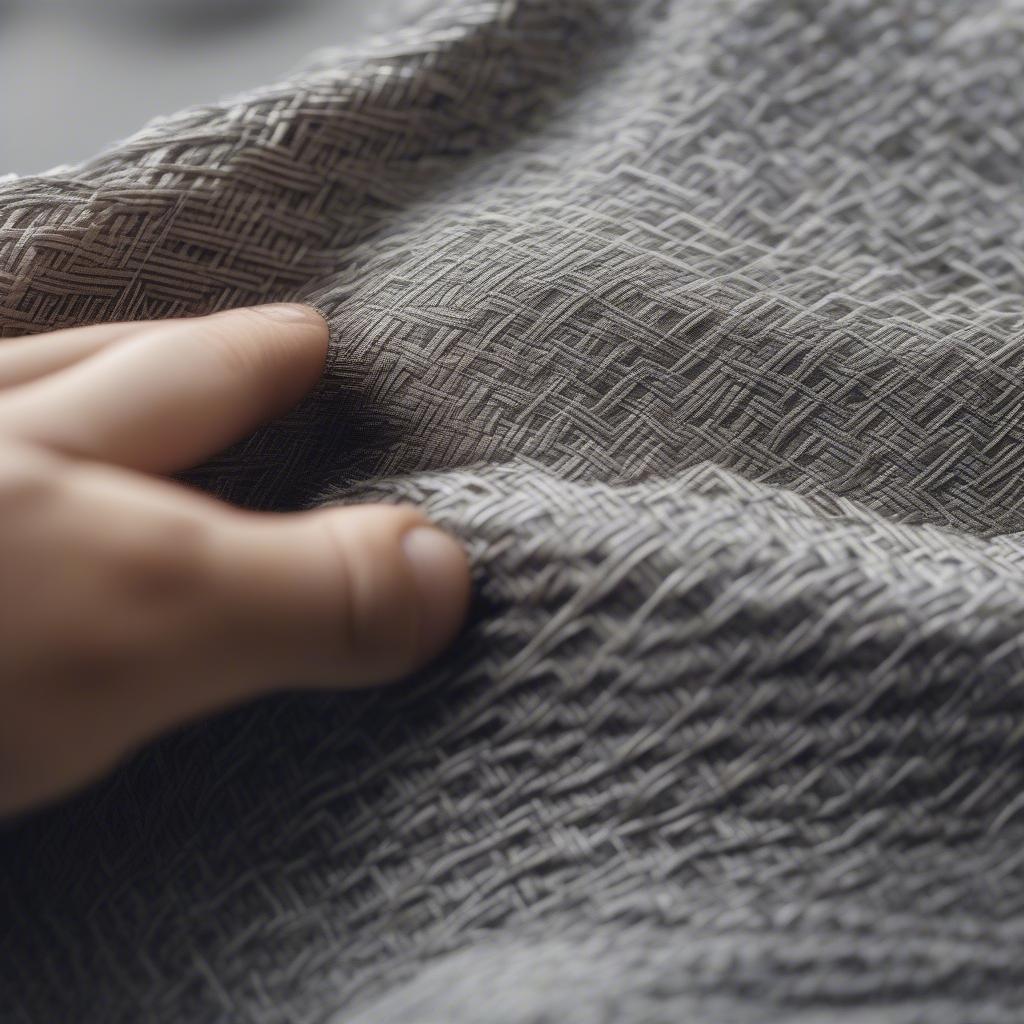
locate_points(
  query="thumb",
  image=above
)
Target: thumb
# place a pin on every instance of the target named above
(336, 596)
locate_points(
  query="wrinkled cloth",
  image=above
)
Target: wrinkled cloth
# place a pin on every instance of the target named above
(702, 322)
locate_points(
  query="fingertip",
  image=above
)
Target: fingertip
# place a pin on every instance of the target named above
(402, 587)
(292, 313)
(354, 596)
(287, 329)
(277, 352)
(440, 569)
(303, 322)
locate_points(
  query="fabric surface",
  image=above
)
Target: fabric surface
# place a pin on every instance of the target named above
(702, 321)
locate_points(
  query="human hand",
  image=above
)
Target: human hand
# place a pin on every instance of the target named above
(130, 604)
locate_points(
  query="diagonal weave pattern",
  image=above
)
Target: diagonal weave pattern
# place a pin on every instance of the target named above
(702, 321)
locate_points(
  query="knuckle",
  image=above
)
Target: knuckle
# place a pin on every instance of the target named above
(29, 479)
(94, 658)
(377, 621)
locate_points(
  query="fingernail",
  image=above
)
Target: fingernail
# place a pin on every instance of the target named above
(441, 570)
(288, 312)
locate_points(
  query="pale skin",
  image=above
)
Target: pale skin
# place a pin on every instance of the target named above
(130, 604)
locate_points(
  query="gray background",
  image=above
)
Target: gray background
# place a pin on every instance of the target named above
(77, 75)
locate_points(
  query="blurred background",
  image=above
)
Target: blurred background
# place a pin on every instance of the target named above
(77, 75)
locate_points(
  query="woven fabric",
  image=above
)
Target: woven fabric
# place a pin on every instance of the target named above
(702, 321)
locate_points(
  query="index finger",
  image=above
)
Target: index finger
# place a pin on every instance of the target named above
(178, 392)
(26, 358)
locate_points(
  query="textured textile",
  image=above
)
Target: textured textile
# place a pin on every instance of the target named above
(702, 321)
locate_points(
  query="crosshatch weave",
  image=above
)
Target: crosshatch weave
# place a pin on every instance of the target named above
(702, 321)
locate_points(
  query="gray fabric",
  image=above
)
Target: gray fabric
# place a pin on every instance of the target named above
(703, 322)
